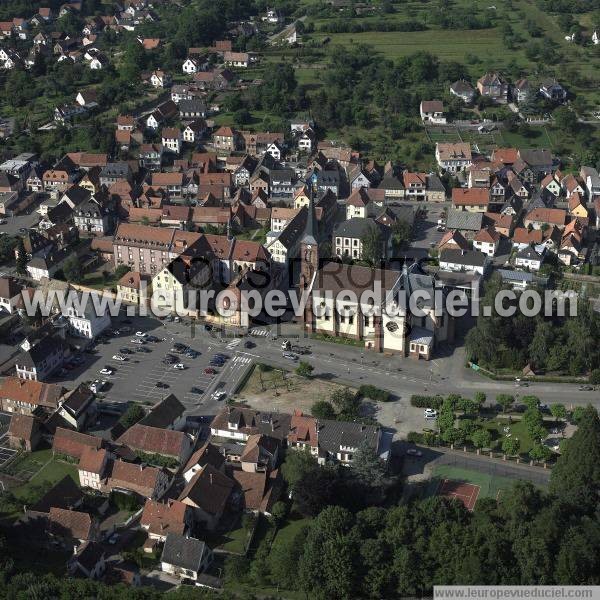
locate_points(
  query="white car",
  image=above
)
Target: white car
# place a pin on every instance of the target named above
(290, 356)
(430, 413)
(141, 334)
(218, 395)
(138, 341)
(119, 357)
(98, 385)
(106, 371)
(179, 366)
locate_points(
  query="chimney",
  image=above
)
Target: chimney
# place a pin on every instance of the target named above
(211, 479)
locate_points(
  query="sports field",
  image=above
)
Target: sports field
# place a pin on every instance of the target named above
(489, 486)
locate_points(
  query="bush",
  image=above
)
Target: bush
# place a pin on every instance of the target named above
(595, 377)
(124, 501)
(304, 369)
(414, 437)
(426, 401)
(374, 393)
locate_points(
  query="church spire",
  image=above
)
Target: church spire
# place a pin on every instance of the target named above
(310, 230)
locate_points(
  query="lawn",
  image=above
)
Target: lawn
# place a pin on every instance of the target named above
(518, 429)
(44, 479)
(288, 531)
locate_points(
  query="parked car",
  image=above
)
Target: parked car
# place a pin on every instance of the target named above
(151, 338)
(248, 344)
(430, 413)
(414, 452)
(125, 351)
(161, 384)
(107, 371)
(143, 349)
(179, 366)
(141, 334)
(138, 341)
(98, 385)
(191, 353)
(119, 357)
(210, 371)
(290, 356)
(219, 395)
(196, 390)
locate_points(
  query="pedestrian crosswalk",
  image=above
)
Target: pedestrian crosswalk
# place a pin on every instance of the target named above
(259, 332)
(233, 344)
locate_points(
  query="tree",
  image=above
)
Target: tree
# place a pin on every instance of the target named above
(367, 465)
(296, 465)
(132, 415)
(279, 511)
(505, 401)
(315, 490)
(120, 271)
(481, 438)
(323, 410)
(347, 403)
(372, 246)
(531, 401)
(401, 234)
(480, 398)
(576, 475)
(540, 452)
(565, 119)
(445, 418)
(326, 567)
(511, 446)
(21, 261)
(304, 369)
(72, 270)
(558, 411)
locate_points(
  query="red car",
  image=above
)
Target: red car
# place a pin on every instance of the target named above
(209, 371)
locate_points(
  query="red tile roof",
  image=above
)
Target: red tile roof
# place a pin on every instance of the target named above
(163, 518)
(73, 443)
(154, 440)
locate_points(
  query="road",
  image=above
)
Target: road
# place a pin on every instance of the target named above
(135, 379)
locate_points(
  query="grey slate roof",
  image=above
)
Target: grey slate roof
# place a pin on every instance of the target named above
(186, 553)
(333, 434)
(164, 413)
(461, 219)
(357, 227)
(470, 258)
(36, 355)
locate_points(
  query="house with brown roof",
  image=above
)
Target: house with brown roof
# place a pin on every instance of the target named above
(432, 111)
(145, 481)
(24, 432)
(161, 518)
(226, 138)
(73, 443)
(208, 454)
(523, 237)
(77, 406)
(493, 86)
(453, 240)
(23, 396)
(72, 526)
(471, 199)
(487, 241)
(10, 294)
(208, 493)
(539, 218)
(261, 453)
(453, 157)
(153, 440)
(92, 467)
(256, 491)
(130, 286)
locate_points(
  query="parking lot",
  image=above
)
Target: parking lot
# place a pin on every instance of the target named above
(143, 377)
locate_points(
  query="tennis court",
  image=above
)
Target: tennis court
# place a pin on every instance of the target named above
(467, 493)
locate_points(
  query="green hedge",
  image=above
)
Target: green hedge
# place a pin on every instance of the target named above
(426, 401)
(374, 393)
